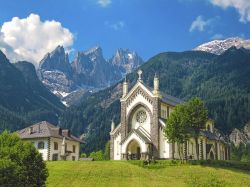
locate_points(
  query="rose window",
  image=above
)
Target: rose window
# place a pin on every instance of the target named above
(141, 116)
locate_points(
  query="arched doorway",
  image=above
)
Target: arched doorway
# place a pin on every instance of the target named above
(211, 155)
(134, 150)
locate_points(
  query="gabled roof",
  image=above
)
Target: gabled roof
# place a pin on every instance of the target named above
(138, 84)
(139, 133)
(45, 129)
(171, 100)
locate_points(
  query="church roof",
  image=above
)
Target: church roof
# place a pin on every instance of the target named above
(209, 135)
(166, 98)
(45, 129)
(140, 134)
(171, 99)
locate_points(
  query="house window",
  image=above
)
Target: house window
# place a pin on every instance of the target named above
(163, 113)
(65, 146)
(55, 157)
(73, 158)
(40, 145)
(74, 149)
(55, 146)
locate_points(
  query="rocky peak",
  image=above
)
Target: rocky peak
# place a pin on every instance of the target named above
(97, 51)
(240, 136)
(220, 46)
(56, 60)
(126, 60)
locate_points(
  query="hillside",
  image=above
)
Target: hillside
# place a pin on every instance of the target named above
(23, 98)
(123, 173)
(221, 81)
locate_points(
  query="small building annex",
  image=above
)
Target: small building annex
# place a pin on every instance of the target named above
(52, 142)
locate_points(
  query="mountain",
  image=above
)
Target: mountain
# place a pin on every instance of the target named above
(221, 81)
(92, 70)
(238, 137)
(56, 73)
(126, 61)
(23, 98)
(88, 71)
(220, 46)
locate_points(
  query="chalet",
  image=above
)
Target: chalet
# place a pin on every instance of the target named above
(54, 143)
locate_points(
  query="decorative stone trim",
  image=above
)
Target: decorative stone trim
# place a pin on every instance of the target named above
(138, 91)
(49, 148)
(133, 110)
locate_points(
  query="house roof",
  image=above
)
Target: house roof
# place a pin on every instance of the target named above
(45, 129)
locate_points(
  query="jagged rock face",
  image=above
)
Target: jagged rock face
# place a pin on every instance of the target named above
(92, 70)
(55, 72)
(220, 46)
(56, 60)
(88, 71)
(126, 60)
(237, 137)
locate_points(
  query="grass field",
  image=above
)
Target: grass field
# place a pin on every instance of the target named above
(122, 173)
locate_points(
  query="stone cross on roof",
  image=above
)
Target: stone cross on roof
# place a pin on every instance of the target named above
(139, 72)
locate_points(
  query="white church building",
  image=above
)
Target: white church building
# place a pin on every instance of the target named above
(140, 133)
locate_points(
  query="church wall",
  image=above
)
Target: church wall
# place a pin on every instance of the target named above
(117, 147)
(164, 146)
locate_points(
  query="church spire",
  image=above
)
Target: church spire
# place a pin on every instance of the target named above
(139, 72)
(112, 126)
(125, 87)
(156, 90)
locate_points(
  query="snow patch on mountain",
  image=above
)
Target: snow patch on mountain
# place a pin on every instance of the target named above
(219, 46)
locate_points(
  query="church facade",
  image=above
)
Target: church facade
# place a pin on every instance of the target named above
(140, 133)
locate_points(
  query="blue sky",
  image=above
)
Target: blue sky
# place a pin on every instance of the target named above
(146, 26)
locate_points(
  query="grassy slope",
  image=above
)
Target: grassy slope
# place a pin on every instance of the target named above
(121, 173)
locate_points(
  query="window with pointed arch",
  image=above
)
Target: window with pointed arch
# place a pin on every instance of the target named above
(40, 145)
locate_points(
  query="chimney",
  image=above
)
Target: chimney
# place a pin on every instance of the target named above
(125, 88)
(30, 130)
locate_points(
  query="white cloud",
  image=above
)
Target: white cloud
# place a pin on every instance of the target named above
(199, 24)
(242, 6)
(30, 38)
(116, 26)
(104, 3)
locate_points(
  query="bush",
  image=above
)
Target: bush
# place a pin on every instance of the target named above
(20, 162)
(96, 155)
(83, 155)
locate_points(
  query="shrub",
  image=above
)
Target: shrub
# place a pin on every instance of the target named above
(83, 155)
(20, 162)
(96, 155)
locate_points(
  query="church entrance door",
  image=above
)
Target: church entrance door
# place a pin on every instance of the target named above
(134, 150)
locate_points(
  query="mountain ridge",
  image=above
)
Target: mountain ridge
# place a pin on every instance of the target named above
(219, 46)
(88, 71)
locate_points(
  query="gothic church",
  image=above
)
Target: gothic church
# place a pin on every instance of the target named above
(140, 134)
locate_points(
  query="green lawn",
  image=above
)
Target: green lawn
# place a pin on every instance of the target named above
(122, 173)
